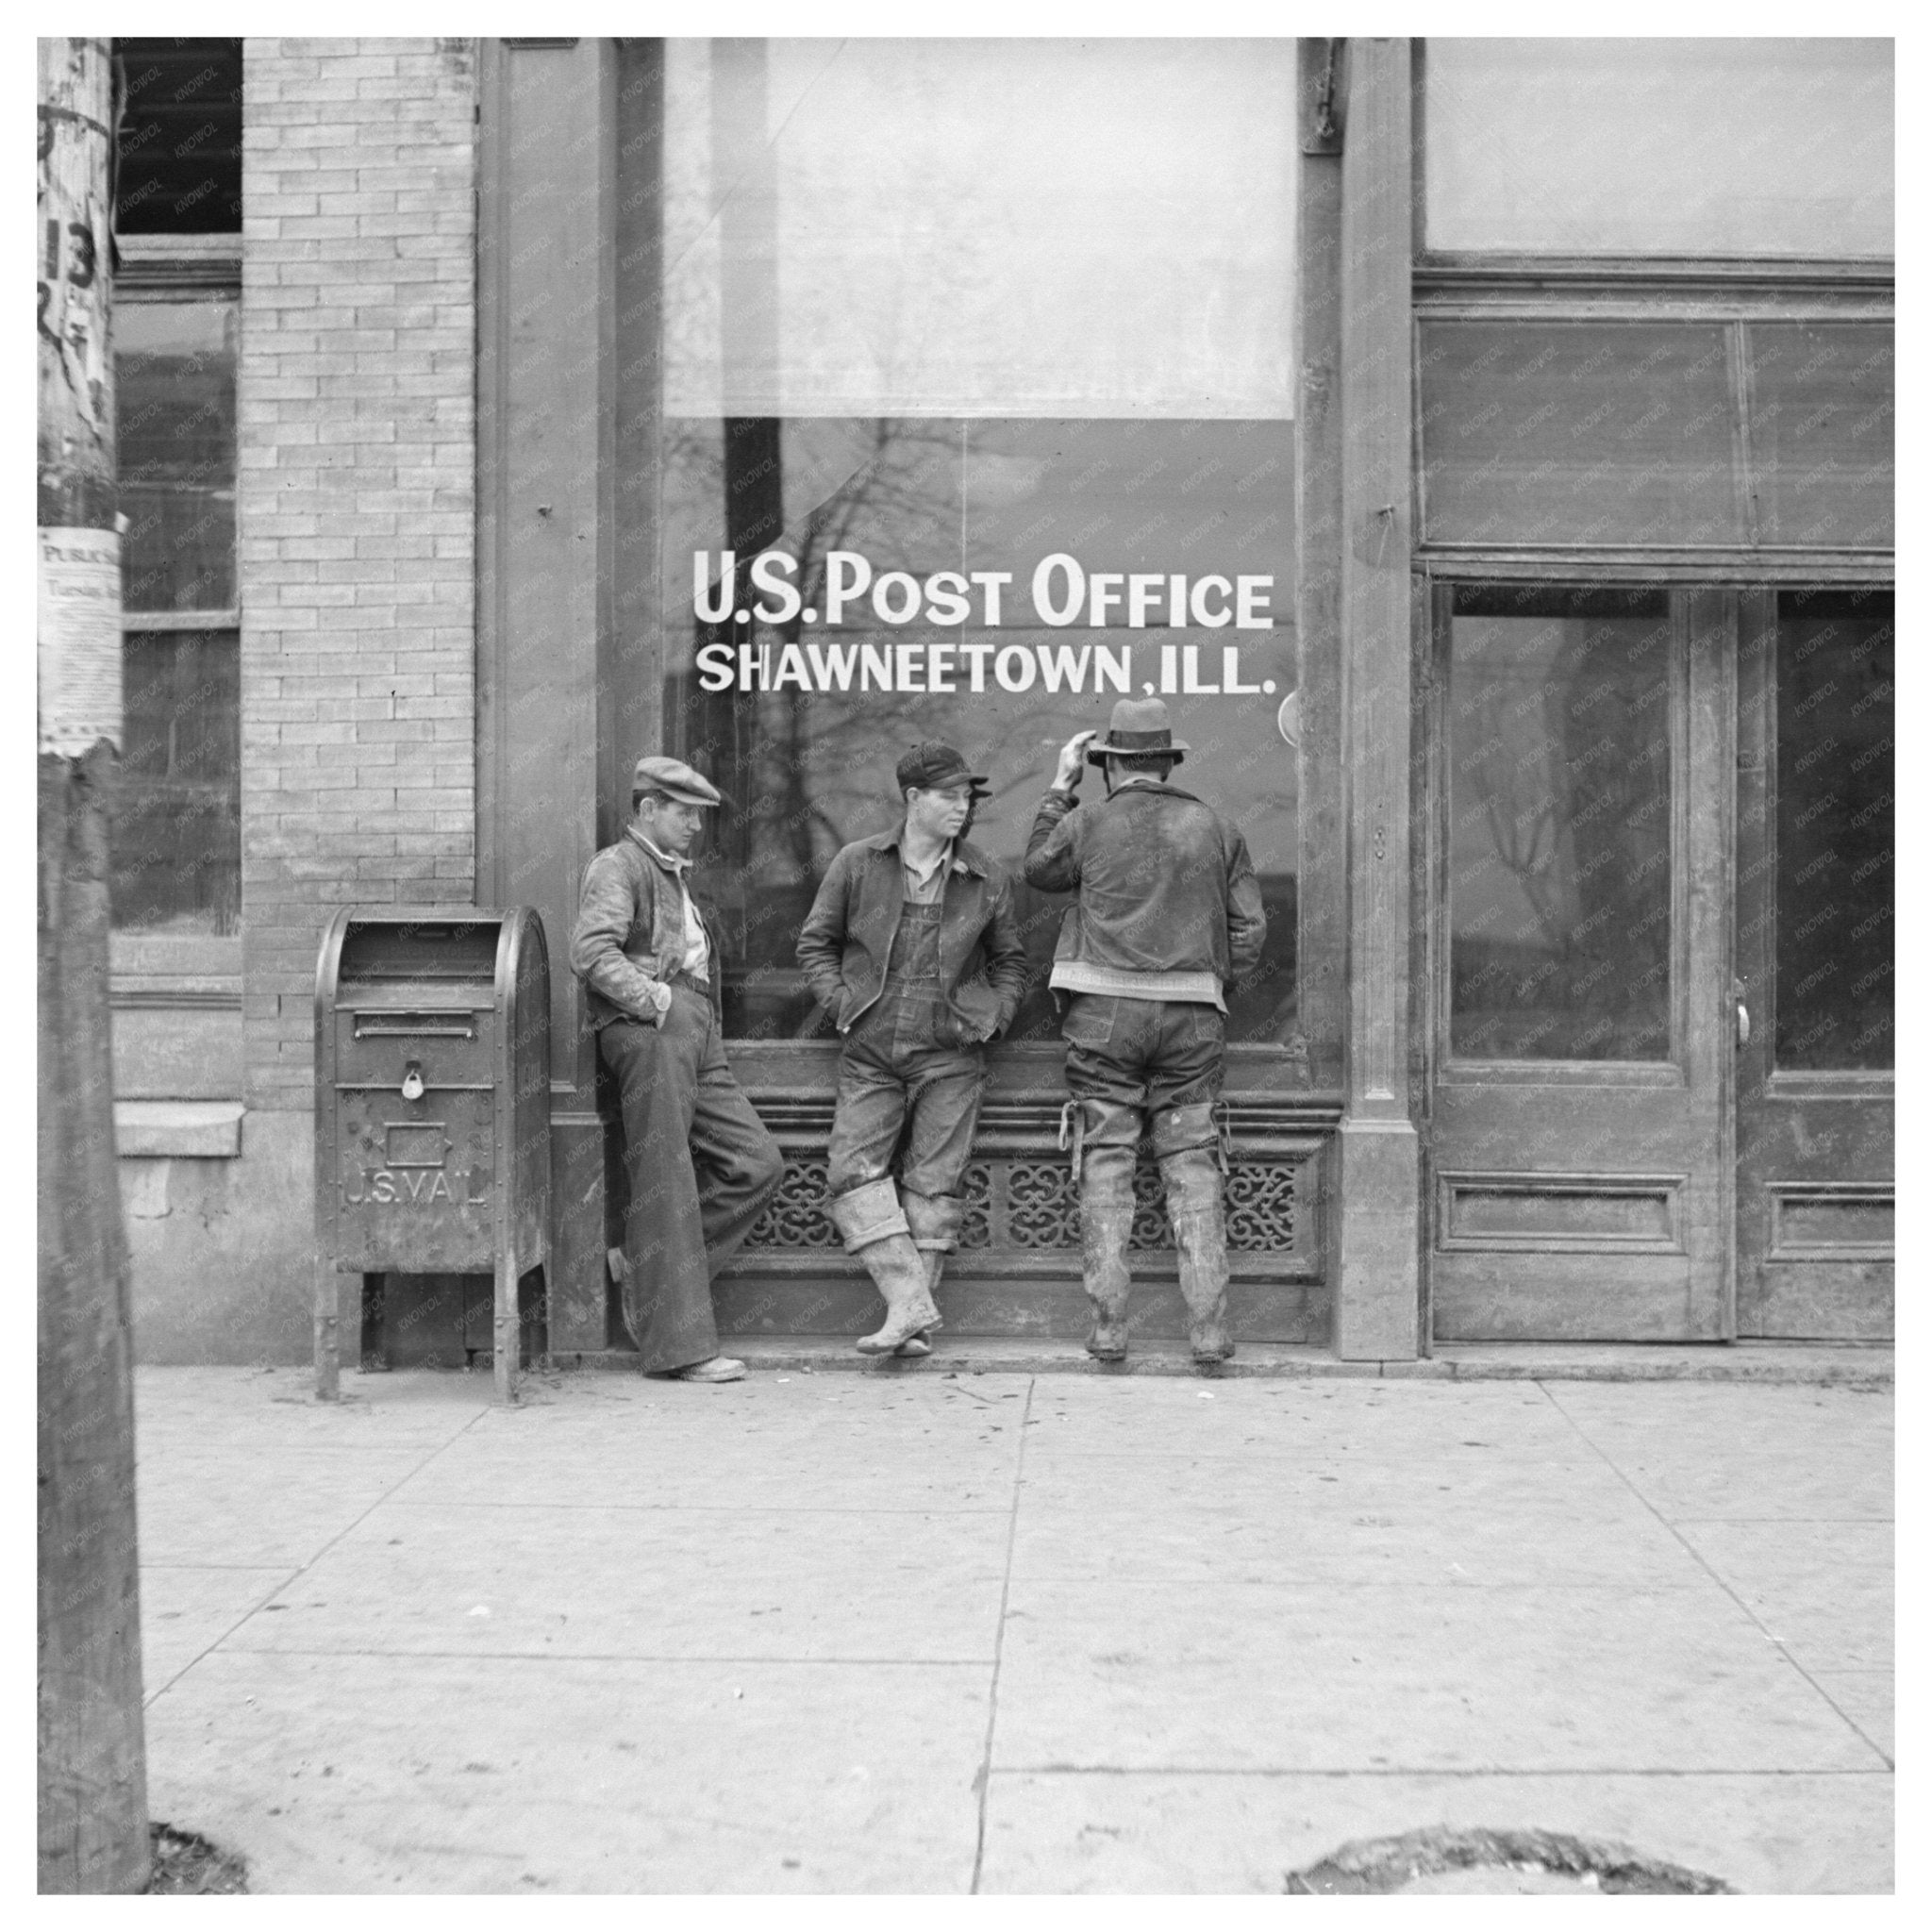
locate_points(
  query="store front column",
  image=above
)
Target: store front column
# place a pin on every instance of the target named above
(1377, 1250)
(546, 789)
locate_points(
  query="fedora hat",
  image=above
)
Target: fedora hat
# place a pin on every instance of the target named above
(1138, 726)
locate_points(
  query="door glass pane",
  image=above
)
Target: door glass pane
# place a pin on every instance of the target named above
(1821, 433)
(1835, 926)
(1578, 433)
(1742, 146)
(1560, 824)
(1043, 307)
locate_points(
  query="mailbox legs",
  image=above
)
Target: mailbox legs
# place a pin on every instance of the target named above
(328, 1351)
(507, 1336)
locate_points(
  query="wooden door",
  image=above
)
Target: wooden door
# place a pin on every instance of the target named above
(1577, 1169)
(1814, 965)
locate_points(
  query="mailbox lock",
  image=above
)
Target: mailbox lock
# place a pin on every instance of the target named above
(412, 1081)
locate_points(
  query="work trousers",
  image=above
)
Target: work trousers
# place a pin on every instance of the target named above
(700, 1165)
(894, 1066)
(1150, 1053)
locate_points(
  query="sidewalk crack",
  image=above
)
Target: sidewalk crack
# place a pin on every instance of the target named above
(1698, 1557)
(301, 1570)
(983, 1780)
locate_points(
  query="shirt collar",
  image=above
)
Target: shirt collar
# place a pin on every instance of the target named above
(949, 858)
(675, 866)
(964, 857)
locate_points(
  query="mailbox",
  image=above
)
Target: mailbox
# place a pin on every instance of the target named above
(432, 1106)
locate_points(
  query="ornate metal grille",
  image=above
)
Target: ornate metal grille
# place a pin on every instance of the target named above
(1028, 1205)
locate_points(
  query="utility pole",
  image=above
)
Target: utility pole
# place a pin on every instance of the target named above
(94, 1826)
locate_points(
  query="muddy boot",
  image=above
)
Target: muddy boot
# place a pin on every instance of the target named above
(873, 1227)
(934, 1220)
(1187, 1148)
(1108, 1133)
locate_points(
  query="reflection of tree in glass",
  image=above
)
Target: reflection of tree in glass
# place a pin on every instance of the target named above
(886, 487)
(1562, 741)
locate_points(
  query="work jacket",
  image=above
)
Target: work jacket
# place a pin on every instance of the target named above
(1165, 882)
(630, 935)
(846, 944)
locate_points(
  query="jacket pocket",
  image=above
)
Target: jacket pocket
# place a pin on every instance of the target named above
(977, 1012)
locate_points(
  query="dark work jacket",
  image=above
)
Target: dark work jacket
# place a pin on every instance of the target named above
(1165, 882)
(846, 940)
(629, 935)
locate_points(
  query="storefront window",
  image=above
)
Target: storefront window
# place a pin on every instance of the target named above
(1560, 824)
(1821, 433)
(1572, 433)
(1738, 147)
(177, 841)
(1577, 432)
(1040, 312)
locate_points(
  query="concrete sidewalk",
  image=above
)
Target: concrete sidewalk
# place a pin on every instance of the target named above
(949, 1631)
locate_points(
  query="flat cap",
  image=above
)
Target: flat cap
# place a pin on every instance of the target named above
(676, 779)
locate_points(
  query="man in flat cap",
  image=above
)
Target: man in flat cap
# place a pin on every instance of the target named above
(1169, 914)
(913, 947)
(701, 1163)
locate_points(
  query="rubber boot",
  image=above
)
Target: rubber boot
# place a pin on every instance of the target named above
(1186, 1146)
(1108, 1134)
(872, 1226)
(934, 1220)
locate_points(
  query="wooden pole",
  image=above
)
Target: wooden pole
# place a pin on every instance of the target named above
(94, 1826)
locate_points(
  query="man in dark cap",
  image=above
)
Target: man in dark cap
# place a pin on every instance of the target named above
(701, 1163)
(912, 946)
(1169, 914)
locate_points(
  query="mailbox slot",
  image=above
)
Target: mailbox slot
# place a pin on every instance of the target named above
(385, 1024)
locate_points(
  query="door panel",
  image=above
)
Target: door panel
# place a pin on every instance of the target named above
(1580, 855)
(1814, 964)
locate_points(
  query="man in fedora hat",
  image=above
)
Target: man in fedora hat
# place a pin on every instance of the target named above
(911, 945)
(1169, 913)
(701, 1163)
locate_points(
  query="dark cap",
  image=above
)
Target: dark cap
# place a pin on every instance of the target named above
(928, 765)
(676, 779)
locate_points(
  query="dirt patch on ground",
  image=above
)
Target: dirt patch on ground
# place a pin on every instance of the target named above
(1440, 1859)
(186, 1862)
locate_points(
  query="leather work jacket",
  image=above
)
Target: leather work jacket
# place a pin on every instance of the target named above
(846, 941)
(629, 935)
(1165, 882)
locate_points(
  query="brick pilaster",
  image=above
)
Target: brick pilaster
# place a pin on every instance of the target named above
(356, 506)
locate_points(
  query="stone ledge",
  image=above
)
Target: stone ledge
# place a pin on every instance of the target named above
(186, 1129)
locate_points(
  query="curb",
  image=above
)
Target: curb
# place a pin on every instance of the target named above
(1787, 1365)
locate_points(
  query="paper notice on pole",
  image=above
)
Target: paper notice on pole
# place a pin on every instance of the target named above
(79, 607)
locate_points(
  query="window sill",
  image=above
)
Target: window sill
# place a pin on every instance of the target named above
(191, 1129)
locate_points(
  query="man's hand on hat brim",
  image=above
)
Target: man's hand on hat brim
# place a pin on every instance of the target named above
(1073, 760)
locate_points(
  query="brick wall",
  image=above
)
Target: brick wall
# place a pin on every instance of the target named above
(356, 507)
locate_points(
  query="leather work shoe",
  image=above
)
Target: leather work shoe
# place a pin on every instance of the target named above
(914, 1345)
(721, 1368)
